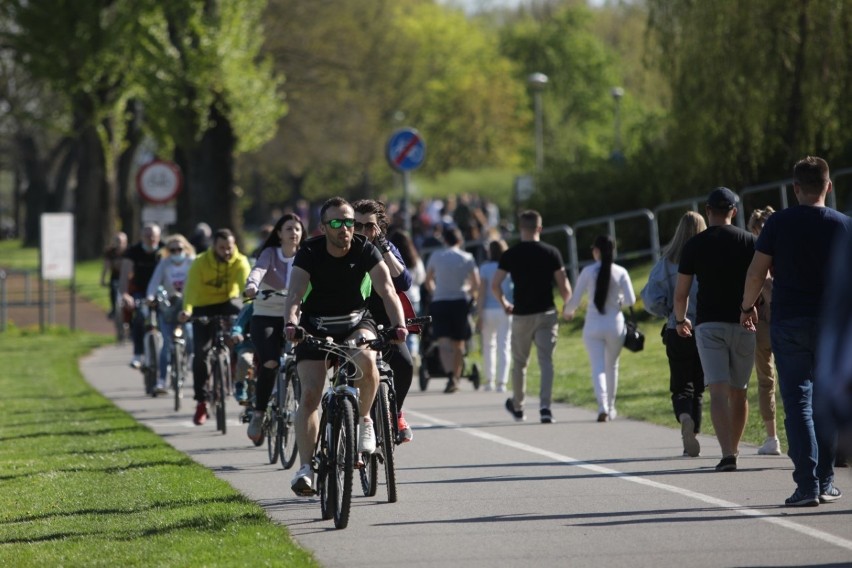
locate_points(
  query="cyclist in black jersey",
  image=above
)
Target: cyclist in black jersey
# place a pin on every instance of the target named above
(329, 287)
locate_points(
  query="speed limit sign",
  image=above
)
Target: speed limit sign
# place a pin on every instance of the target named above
(159, 181)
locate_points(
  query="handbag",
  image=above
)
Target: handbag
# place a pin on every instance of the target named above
(635, 339)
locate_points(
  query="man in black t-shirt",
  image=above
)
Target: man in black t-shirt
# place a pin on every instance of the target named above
(535, 267)
(719, 258)
(331, 270)
(137, 267)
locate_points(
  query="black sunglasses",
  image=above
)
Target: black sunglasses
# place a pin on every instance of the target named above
(337, 223)
(175, 250)
(363, 226)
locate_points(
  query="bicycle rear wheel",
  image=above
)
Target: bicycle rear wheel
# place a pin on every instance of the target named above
(273, 445)
(287, 407)
(219, 370)
(342, 460)
(385, 438)
(150, 361)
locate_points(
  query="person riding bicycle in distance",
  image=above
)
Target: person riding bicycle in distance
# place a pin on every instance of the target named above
(326, 284)
(213, 287)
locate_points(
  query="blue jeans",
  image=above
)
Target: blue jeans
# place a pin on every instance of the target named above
(811, 436)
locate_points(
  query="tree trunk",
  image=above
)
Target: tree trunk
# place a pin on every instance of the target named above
(127, 204)
(93, 207)
(36, 193)
(210, 177)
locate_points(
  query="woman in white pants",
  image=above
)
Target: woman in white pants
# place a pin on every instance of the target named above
(610, 289)
(492, 321)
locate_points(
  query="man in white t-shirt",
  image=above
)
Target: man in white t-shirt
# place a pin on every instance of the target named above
(453, 280)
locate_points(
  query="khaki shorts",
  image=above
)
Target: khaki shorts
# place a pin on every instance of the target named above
(727, 353)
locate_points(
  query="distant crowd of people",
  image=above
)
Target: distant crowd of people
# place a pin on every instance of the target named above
(733, 300)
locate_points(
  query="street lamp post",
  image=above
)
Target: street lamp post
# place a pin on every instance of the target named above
(537, 82)
(617, 154)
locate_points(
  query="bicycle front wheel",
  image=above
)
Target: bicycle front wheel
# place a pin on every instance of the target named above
(385, 438)
(150, 362)
(178, 370)
(219, 370)
(288, 404)
(342, 460)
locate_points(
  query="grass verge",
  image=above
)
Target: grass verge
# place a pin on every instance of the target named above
(83, 484)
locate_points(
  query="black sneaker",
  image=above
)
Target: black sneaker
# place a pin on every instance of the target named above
(728, 463)
(546, 416)
(518, 415)
(802, 499)
(829, 495)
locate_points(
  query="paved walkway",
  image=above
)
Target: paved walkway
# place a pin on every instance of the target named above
(478, 490)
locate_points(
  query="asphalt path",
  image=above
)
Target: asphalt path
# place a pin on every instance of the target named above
(477, 489)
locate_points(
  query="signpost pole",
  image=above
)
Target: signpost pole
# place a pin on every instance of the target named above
(406, 199)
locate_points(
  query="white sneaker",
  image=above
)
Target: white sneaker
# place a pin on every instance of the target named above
(489, 387)
(136, 362)
(303, 481)
(160, 387)
(367, 437)
(501, 388)
(771, 447)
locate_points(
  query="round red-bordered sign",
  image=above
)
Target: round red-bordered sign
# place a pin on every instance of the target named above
(159, 181)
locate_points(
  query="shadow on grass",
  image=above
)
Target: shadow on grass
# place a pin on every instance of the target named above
(71, 433)
(154, 506)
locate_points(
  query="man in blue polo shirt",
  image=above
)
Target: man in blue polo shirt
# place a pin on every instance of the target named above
(796, 244)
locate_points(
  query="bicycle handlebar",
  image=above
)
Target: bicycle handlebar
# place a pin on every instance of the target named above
(266, 294)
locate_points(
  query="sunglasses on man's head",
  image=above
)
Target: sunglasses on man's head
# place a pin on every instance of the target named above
(337, 223)
(364, 226)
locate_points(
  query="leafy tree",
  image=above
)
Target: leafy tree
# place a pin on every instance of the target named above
(755, 86)
(356, 71)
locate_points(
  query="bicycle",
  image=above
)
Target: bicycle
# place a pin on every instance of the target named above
(281, 412)
(152, 342)
(221, 367)
(335, 451)
(383, 413)
(281, 408)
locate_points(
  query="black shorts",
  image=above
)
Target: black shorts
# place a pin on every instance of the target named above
(305, 352)
(451, 318)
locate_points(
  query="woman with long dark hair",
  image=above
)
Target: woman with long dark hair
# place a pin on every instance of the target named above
(271, 272)
(610, 288)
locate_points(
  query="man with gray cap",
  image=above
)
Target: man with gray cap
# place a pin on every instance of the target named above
(719, 258)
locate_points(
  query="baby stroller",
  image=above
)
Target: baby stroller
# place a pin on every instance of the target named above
(431, 366)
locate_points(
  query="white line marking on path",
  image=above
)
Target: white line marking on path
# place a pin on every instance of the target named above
(787, 524)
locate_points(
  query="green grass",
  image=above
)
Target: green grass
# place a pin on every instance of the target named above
(85, 484)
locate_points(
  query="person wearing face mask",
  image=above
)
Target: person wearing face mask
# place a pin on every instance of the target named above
(137, 267)
(213, 287)
(170, 275)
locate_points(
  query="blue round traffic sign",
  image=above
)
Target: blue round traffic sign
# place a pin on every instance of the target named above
(406, 150)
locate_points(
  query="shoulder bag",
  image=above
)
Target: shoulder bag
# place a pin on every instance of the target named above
(635, 339)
